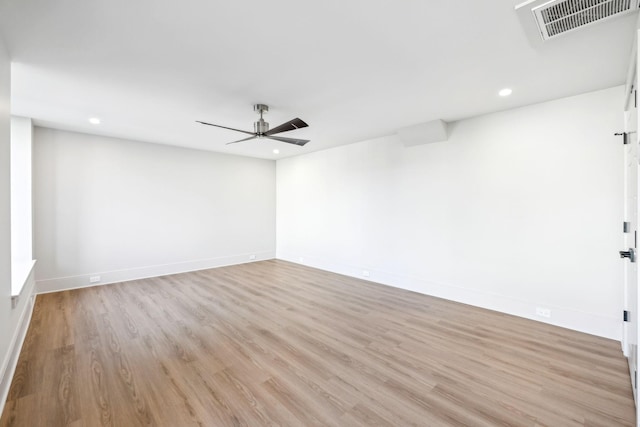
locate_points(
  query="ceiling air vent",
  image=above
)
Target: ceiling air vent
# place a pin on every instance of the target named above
(558, 17)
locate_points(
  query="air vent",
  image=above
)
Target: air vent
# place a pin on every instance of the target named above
(562, 16)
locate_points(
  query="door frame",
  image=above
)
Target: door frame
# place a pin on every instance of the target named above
(631, 91)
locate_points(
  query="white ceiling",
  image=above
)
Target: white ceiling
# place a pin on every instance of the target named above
(352, 69)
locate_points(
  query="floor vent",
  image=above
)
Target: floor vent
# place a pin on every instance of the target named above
(562, 16)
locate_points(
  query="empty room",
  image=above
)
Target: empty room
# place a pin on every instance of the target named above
(331, 213)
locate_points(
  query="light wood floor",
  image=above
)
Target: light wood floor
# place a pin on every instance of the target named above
(273, 343)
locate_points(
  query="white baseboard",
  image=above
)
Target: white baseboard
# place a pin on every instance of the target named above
(17, 340)
(590, 323)
(108, 277)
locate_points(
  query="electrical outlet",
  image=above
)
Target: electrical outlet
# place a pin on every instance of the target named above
(365, 273)
(252, 257)
(543, 312)
(94, 279)
(301, 260)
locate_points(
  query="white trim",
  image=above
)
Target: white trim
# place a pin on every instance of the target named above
(590, 323)
(20, 276)
(108, 277)
(15, 347)
(631, 69)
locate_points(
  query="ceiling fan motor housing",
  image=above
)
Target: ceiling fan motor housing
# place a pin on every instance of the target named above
(260, 127)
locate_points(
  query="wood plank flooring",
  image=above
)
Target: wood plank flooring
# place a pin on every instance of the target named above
(274, 343)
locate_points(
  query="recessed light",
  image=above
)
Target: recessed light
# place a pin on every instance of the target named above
(505, 92)
(276, 151)
(94, 121)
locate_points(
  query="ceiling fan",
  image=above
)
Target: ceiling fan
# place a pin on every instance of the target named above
(261, 128)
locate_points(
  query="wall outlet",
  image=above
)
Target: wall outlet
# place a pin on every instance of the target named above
(252, 257)
(301, 260)
(543, 312)
(94, 279)
(365, 273)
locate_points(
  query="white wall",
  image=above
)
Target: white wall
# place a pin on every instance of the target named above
(122, 209)
(21, 202)
(14, 312)
(5, 209)
(519, 209)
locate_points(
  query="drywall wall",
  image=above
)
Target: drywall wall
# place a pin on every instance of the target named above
(122, 209)
(21, 202)
(15, 312)
(518, 210)
(5, 212)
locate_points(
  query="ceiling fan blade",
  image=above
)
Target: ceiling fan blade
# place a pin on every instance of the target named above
(299, 142)
(285, 127)
(224, 127)
(240, 140)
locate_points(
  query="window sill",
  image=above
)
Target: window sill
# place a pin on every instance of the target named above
(19, 276)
